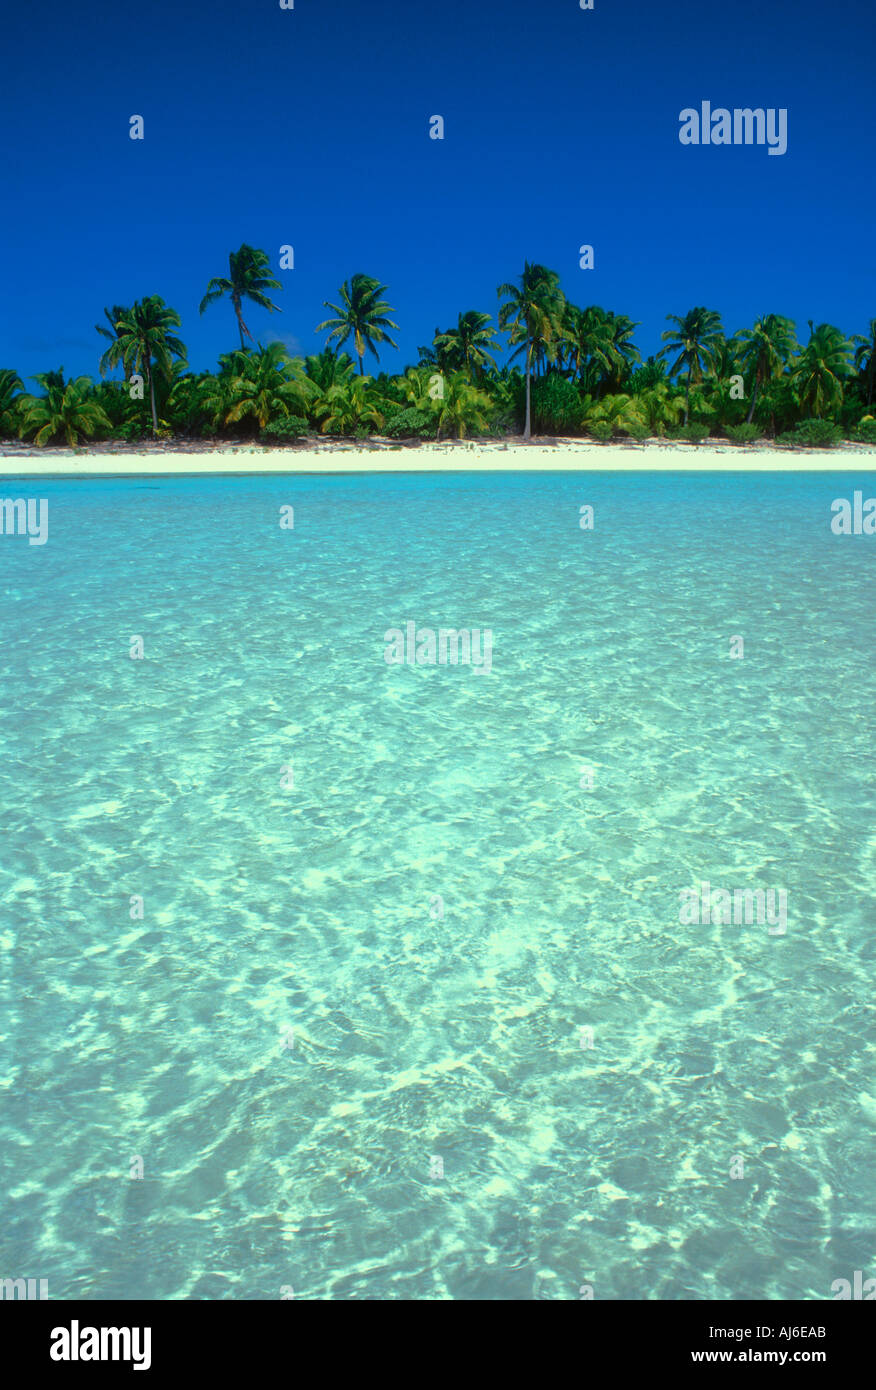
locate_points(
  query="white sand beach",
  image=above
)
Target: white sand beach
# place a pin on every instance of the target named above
(17, 461)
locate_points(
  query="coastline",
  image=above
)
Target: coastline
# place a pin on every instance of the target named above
(377, 456)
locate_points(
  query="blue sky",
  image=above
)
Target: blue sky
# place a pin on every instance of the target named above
(310, 127)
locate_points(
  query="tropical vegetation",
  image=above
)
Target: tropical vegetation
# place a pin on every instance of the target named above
(570, 370)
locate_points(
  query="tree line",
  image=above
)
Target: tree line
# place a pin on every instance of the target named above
(571, 371)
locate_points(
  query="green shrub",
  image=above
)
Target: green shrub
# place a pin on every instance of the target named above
(556, 405)
(602, 430)
(650, 374)
(292, 427)
(410, 424)
(132, 431)
(743, 434)
(637, 431)
(693, 434)
(865, 433)
(812, 434)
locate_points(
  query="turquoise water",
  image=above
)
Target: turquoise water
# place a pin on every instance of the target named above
(307, 1159)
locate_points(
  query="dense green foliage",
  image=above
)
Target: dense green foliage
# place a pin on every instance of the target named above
(743, 434)
(572, 372)
(557, 407)
(693, 434)
(812, 434)
(409, 423)
(293, 427)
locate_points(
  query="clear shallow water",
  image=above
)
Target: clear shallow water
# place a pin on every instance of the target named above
(269, 908)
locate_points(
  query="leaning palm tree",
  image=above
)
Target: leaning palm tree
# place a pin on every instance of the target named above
(143, 340)
(866, 352)
(468, 345)
(11, 387)
(532, 317)
(765, 350)
(818, 375)
(248, 278)
(67, 409)
(361, 315)
(697, 338)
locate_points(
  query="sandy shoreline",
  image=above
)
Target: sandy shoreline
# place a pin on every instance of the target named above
(539, 456)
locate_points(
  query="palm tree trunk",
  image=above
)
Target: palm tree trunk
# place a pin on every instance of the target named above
(152, 398)
(687, 393)
(753, 399)
(236, 302)
(527, 428)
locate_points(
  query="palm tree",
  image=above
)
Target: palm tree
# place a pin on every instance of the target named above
(461, 407)
(433, 356)
(599, 348)
(260, 386)
(413, 387)
(10, 387)
(818, 374)
(467, 345)
(697, 339)
(178, 396)
(361, 315)
(866, 352)
(142, 337)
(112, 316)
(625, 414)
(650, 373)
(764, 350)
(587, 343)
(248, 277)
(350, 405)
(67, 408)
(532, 318)
(328, 368)
(624, 353)
(659, 407)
